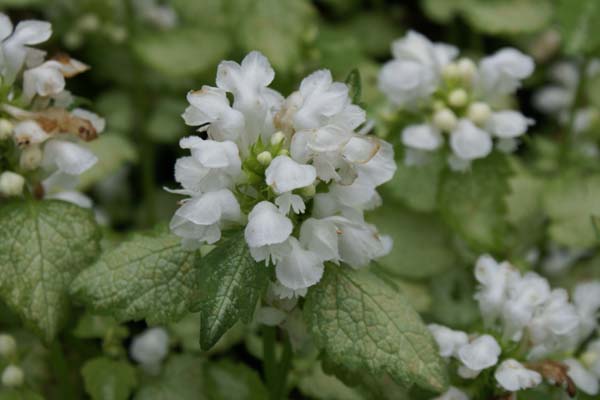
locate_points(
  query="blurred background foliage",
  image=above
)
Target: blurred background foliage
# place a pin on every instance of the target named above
(146, 54)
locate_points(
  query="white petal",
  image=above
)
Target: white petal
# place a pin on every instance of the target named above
(480, 354)
(469, 142)
(74, 197)
(97, 122)
(448, 340)
(406, 82)
(423, 137)
(512, 376)
(360, 150)
(45, 80)
(6, 26)
(358, 243)
(289, 200)
(29, 132)
(285, 174)
(213, 154)
(452, 394)
(508, 124)
(267, 226)
(32, 32)
(584, 380)
(320, 237)
(68, 157)
(381, 167)
(300, 268)
(150, 347)
(502, 72)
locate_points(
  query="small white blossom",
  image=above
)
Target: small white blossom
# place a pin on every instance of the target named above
(11, 184)
(512, 376)
(13, 376)
(452, 394)
(583, 379)
(502, 73)
(448, 340)
(67, 160)
(267, 232)
(150, 348)
(479, 354)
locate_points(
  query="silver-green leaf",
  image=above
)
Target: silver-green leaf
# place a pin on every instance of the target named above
(364, 324)
(43, 246)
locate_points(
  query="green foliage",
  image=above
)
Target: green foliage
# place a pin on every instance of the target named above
(147, 277)
(227, 380)
(473, 203)
(365, 325)
(43, 245)
(579, 23)
(16, 394)
(231, 283)
(107, 379)
(173, 54)
(409, 258)
(182, 378)
(570, 202)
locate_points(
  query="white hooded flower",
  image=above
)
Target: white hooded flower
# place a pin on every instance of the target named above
(358, 242)
(448, 340)
(200, 219)
(14, 44)
(583, 379)
(480, 353)
(284, 175)
(422, 137)
(68, 160)
(27, 133)
(586, 297)
(414, 72)
(502, 72)
(299, 268)
(493, 286)
(470, 142)
(321, 237)
(267, 232)
(512, 376)
(508, 124)
(150, 348)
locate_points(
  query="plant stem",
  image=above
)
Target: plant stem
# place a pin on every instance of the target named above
(275, 371)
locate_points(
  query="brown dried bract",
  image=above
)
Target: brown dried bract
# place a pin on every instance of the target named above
(555, 372)
(57, 120)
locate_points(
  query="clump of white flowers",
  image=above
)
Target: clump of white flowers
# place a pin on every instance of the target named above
(12, 375)
(458, 98)
(150, 348)
(39, 128)
(529, 327)
(294, 171)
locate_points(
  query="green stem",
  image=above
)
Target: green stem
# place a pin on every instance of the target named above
(275, 371)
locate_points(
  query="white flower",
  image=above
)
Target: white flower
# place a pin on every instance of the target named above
(48, 79)
(321, 237)
(267, 232)
(414, 72)
(201, 218)
(73, 197)
(470, 142)
(591, 357)
(150, 347)
(13, 376)
(285, 175)
(586, 297)
(299, 268)
(492, 292)
(452, 394)
(11, 184)
(508, 124)
(448, 340)
(97, 122)
(512, 376)
(14, 44)
(29, 133)
(68, 160)
(502, 72)
(480, 354)
(423, 137)
(583, 379)
(525, 294)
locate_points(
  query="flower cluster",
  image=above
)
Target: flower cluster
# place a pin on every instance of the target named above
(294, 171)
(39, 128)
(530, 326)
(454, 97)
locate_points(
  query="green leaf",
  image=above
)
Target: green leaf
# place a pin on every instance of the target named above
(43, 245)
(116, 107)
(182, 378)
(417, 186)
(147, 277)
(231, 283)
(508, 16)
(409, 257)
(16, 394)
(107, 379)
(92, 326)
(570, 202)
(184, 51)
(227, 380)
(165, 125)
(275, 28)
(579, 24)
(316, 384)
(473, 202)
(353, 82)
(366, 325)
(113, 151)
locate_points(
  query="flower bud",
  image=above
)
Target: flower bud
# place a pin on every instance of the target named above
(283, 152)
(445, 119)
(31, 157)
(308, 191)
(8, 345)
(438, 105)
(6, 129)
(450, 71)
(13, 376)
(11, 184)
(264, 158)
(277, 138)
(466, 69)
(479, 112)
(458, 98)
